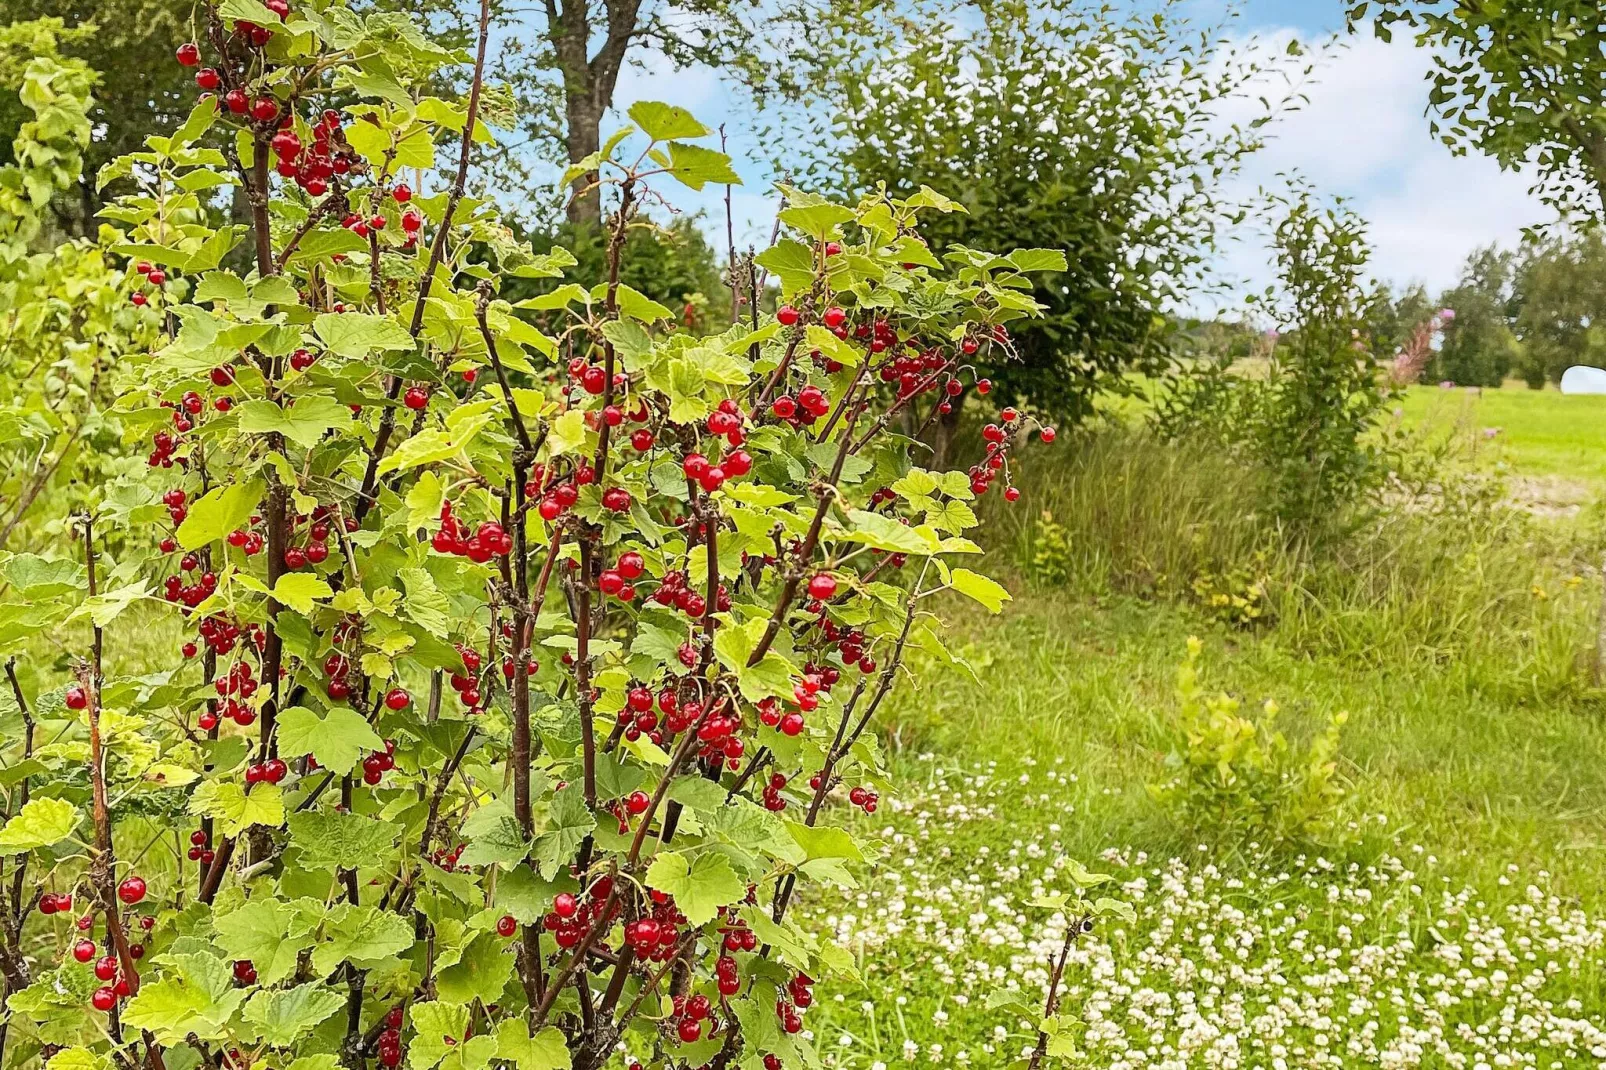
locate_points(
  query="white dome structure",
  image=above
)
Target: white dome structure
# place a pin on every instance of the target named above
(1581, 379)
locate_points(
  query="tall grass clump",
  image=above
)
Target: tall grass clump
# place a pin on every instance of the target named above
(1120, 511)
(1446, 575)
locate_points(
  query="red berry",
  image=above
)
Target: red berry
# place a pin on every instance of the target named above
(416, 397)
(787, 315)
(76, 698)
(188, 54)
(403, 193)
(104, 999)
(397, 699)
(822, 586)
(507, 925)
(131, 890)
(208, 78)
(84, 950)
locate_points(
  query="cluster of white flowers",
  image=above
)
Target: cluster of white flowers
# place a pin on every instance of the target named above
(1310, 963)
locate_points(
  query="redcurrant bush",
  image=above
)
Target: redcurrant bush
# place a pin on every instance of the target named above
(526, 649)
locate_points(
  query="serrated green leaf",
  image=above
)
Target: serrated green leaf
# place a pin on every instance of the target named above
(218, 512)
(974, 585)
(228, 804)
(283, 1017)
(40, 823)
(338, 739)
(700, 885)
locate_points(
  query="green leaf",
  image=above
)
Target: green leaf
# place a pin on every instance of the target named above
(304, 423)
(331, 840)
(269, 932)
(1038, 259)
(544, 1051)
(988, 592)
(233, 809)
(637, 305)
(40, 823)
(826, 842)
(568, 823)
(356, 334)
(218, 512)
(434, 1023)
(425, 605)
(283, 1017)
(694, 166)
(300, 590)
(665, 122)
(360, 934)
(338, 740)
(883, 533)
(791, 261)
(818, 221)
(701, 885)
(491, 836)
(198, 997)
(481, 972)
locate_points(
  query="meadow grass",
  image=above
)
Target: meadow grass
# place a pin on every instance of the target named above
(1530, 433)
(1455, 914)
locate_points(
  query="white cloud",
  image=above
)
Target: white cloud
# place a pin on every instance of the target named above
(1363, 135)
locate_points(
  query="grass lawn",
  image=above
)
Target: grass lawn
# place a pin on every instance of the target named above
(1455, 917)
(1537, 434)
(1466, 886)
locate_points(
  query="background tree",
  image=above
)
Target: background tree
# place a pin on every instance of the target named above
(1479, 348)
(130, 42)
(1518, 81)
(1560, 293)
(1067, 125)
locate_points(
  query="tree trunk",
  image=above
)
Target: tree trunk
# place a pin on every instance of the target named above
(584, 117)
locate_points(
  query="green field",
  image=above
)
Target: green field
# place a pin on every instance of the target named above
(1535, 434)
(1454, 916)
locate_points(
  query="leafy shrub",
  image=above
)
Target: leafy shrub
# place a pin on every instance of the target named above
(1237, 774)
(524, 675)
(1310, 420)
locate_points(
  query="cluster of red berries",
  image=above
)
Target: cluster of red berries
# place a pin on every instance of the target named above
(799, 988)
(163, 447)
(245, 972)
(446, 858)
(572, 915)
(615, 581)
(918, 373)
(380, 762)
(311, 167)
(315, 552)
(638, 716)
(174, 589)
(790, 723)
(999, 437)
(653, 936)
(489, 540)
(152, 275)
(236, 685)
(390, 1046)
(220, 635)
(849, 644)
(810, 404)
(733, 465)
(864, 799)
(271, 771)
(55, 903)
(593, 379)
(690, 1015)
(673, 590)
(466, 683)
(773, 800)
(201, 848)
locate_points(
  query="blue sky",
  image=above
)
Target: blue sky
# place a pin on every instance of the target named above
(1363, 136)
